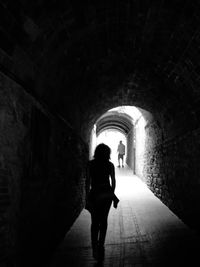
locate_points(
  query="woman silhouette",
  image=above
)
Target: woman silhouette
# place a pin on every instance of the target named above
(100, 189)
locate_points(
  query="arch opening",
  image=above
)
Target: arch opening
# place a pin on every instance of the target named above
(126, 123)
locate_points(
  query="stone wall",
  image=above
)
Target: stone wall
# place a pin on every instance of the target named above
(172, 171)
(140, 151)
(42, 175)
(130, 160)
(14, 124)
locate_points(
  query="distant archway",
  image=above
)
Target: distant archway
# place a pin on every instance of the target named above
(125, 123)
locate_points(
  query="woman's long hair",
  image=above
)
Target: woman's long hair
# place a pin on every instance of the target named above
(102, 152)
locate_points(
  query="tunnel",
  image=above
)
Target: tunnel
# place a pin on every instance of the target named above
(130, 122)
(63, 66)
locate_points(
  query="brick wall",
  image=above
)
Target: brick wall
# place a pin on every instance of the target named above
(172, 171)
(13, 132)
(42, 174)
(130, 160)
(140, 136)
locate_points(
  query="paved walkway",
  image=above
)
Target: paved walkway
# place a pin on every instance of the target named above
(142, 232)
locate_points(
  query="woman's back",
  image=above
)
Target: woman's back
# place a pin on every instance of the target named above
(99, 173)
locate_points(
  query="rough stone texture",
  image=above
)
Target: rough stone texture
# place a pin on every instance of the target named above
(140, 148)
(54, 194)
(172, 173)
(42, 175)
(13, 133)
(130, 160)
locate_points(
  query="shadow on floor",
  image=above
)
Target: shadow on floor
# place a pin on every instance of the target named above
(142, 232)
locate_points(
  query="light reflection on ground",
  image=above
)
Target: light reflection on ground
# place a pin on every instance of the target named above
(128, 185)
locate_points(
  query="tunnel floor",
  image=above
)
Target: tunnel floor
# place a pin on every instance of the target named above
(142, 231)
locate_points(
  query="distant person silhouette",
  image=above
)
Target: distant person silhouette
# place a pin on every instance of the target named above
(100, 187)
(121, 153)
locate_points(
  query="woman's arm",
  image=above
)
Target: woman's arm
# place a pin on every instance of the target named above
(88, 180)
(112, 175)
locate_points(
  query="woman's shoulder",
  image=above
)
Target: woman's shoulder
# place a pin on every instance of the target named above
(111, 164)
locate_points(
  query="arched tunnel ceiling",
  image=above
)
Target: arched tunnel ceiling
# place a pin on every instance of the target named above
(114, 120)
(82, 58)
